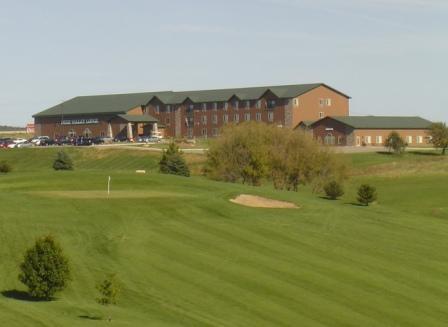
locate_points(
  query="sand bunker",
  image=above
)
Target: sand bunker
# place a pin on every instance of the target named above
(260, 202)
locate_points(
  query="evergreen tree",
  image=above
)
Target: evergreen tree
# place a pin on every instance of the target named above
(333, 190)
(5, 167)
(63, 161)
(172, 162)
(45, 270)
(366, 194)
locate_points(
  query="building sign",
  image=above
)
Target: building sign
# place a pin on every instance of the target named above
(329, 128)
(89, 121)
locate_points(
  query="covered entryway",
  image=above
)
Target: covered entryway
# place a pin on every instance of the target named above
(139, 125)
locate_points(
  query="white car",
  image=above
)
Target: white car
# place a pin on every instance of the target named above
(38, 140)
(19, 140)
(24, 145)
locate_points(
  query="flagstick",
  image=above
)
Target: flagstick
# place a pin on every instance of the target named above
(108, 187)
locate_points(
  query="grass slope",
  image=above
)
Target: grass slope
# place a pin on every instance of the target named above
(188, 257)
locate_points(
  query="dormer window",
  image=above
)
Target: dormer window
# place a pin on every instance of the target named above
(235, 104)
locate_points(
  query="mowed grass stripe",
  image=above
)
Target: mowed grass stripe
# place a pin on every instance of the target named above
(320, 288)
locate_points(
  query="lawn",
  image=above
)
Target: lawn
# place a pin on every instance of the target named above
(186, 256)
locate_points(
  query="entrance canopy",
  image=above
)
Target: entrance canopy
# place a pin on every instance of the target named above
(138, 118)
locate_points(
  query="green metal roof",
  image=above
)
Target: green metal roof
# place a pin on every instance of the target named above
(139, 118)
(100, 104)
(382, 122)
(122, 103)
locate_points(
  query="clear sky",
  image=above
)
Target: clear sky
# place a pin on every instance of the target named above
(391, 56)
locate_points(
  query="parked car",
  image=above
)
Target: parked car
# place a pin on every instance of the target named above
(47, 142)
(98, 140)
(83, 141)
(40, 139)
(19, 140)
(24, 145)
(121, 139)
(5, 142)
(64, 140)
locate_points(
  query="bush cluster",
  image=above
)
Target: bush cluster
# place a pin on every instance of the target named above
(251, 152)
(395, 143)
(5, 167)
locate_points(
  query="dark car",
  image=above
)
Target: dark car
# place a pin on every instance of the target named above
(83, 141)
(64, 140)
(46, 142)
(121, 138)
(98, 140)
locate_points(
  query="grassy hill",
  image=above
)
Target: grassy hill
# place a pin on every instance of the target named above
(186, 256)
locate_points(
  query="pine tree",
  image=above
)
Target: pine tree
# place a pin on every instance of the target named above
(366, 194)
(45, 270)
(172, 162)
(63, 161)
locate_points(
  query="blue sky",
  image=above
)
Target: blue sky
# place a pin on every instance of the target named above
(391, 56)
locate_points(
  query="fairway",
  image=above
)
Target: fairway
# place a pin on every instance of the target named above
(187, 256)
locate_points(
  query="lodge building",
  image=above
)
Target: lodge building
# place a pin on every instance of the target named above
(189, 113)
(368, 130)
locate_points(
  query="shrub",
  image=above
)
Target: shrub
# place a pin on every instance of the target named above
(172, 162)
(333, 190)
(5, 167)
(394, 142)
(63, 161)
(109, 290)
(439, 136)
(366, 194)
(45, 270)
(251, 151)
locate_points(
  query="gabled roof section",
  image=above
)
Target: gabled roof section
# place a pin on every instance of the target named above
(100, 104)
(121, 103)
(382, 122)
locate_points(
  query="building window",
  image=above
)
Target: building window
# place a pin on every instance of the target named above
(321, 114)
(215, 119)
(204, 132)
(321, 102)
(367, 139)
(258, 104)
(328, 102)
(214, 131)
(103, 134)
(235, 104)
(157, 109)
(226, 105)
(247, 116)
(379, 139)
(271, 103)
(71, 133)
(236, 118)
(247, 104)
(204, 107)
(191, 106)
(409, 139)
(270, 116)
(258, 116)
(296, 102)
(225, 118)
(204, 120)
(87, 133)
(419, 139)
(340, 140)
(215, 106)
